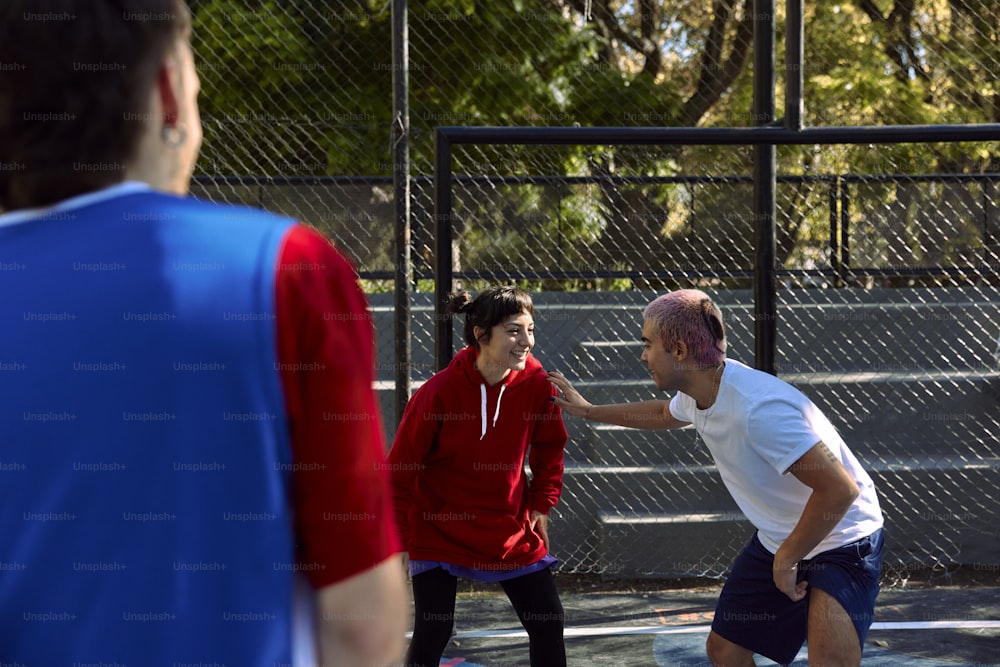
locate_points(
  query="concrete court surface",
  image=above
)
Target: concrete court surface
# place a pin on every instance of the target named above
(934, 626)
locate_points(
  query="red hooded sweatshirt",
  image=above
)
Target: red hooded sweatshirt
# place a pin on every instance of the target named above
(457, 466)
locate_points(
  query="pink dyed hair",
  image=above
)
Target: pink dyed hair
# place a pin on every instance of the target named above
(689, 315)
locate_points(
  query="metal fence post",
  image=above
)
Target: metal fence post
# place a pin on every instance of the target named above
(845, 227)
(764, 185)
(835, 260)
(794, 57)
(401, 190)
(442, 252)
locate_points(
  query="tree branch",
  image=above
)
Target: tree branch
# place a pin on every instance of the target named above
(649, 22)
(717, 75)
(869, 8)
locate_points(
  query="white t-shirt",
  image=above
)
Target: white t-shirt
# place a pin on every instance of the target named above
(757, 428)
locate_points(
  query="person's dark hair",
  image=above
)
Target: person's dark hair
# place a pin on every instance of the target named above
(489, 309)
(74, 90)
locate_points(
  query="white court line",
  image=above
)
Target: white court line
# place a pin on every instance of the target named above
(690, 629)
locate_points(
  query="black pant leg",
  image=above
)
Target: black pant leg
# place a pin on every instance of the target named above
(537, 603)
(433, 618)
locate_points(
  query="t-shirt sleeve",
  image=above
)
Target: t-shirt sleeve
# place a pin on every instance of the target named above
(340, 491)
(682, 407)
(780, 433)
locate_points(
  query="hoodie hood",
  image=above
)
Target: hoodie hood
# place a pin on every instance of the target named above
(464, 364)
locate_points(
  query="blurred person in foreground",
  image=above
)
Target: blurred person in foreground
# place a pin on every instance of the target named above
(194, 457)
(811, 571)
(464, 503)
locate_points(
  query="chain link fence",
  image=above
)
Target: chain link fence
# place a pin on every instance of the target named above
(888, 307)
(888, 317)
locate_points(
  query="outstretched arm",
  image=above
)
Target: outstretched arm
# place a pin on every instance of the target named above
(648, 415)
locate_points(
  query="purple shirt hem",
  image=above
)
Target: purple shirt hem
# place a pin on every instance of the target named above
(420, 566)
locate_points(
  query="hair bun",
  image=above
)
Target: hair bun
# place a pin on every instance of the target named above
(459, 302)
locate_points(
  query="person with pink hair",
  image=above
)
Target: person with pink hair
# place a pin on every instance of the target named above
(812, 568)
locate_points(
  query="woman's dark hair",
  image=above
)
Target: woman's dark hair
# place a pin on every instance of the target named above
(74, 91)
(489, 309)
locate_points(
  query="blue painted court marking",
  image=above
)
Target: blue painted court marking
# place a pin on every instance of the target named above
(458, 662)
(685, 644)
(689, 649)
(619, 630)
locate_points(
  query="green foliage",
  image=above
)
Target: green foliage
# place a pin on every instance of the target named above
(305, 87)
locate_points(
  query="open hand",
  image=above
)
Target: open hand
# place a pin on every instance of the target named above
(571, 401)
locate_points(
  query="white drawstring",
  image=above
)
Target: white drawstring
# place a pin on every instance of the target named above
(482, 407)
(497, 413)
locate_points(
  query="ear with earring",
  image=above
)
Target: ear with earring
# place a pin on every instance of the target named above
(174, 135)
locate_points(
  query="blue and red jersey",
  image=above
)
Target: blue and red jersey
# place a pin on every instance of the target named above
(188, 429)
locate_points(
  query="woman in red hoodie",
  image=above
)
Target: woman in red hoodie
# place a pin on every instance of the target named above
(464, 504)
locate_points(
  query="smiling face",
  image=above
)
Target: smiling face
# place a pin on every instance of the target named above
(507, 348)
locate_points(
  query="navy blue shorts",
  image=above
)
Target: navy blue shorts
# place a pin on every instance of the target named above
(754, 614)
